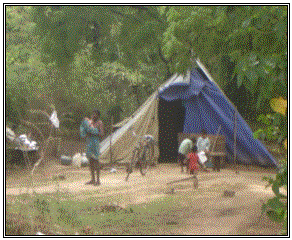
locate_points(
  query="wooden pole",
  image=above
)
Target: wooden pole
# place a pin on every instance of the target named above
(217, 135)
(111, 151)
(235, 132)
(213, 158)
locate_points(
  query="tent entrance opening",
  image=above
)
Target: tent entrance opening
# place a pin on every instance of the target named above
(171, 116)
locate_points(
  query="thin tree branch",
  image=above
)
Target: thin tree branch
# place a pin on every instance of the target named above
(32, 126)
(161, 55)
(125, 16)
(44, 150)
(145, 9)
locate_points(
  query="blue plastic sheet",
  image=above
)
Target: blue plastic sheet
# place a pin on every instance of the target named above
(207, 108)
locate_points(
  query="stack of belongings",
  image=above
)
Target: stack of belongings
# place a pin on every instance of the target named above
(27, 143)
(22, 141)
(17, 145)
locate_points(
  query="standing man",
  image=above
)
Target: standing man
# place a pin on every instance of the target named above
(184, 149)
(93, 130)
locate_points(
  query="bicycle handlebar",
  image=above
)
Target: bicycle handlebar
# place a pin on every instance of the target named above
(140, 137)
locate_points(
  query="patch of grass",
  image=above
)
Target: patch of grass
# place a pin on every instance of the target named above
(67, 214)
(17, 225)
(42, 210)
(47, 214)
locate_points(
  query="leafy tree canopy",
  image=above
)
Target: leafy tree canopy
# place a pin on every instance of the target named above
(253, 37)
(165, 39)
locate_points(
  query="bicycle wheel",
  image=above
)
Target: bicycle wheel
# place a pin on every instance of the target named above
(144, 160)
(132, 163)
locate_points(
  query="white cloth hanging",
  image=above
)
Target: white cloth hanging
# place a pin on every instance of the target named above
(54, 119)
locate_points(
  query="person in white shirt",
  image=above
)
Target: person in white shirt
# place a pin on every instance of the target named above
(184, 149)
(203, 145)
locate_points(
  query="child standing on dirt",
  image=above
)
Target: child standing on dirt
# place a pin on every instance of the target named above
(193, 166)
(184, 149)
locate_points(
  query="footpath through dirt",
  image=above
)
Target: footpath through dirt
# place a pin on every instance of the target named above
(208, 213)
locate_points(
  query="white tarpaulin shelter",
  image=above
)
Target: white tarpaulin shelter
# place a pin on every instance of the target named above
(144, 122)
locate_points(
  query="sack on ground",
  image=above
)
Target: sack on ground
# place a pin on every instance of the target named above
(76, 160)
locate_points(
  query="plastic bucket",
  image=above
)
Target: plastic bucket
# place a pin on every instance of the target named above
(84, 161)
(66, 160)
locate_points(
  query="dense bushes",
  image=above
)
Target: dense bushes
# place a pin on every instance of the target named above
(14, 109)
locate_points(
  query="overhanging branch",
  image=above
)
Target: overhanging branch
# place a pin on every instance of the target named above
(145, 9)
(161, 55)
(125, 16)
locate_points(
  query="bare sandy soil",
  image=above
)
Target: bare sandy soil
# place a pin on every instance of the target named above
(204, 212)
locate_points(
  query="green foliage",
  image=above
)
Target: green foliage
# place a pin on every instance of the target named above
(40, 83)
(72, 119)
(276, 124)
(104, 56)
(168, 38)
(68, 216)
(66, 30)
(42, 206)
(14, 108)
(255, 38)
(276, 208)
(86, 55)
(25, 73)
(141, 48)
(264, 119)
(115, 113)
(275, 127)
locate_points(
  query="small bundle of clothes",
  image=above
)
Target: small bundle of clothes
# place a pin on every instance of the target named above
(25, 141)
(22, 140)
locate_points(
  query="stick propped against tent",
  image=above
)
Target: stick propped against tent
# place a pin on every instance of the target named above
(217, 135)
(111, 135)
(235, 131)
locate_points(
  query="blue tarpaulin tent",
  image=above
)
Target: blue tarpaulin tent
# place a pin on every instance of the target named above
(185, 103)
(206, 107)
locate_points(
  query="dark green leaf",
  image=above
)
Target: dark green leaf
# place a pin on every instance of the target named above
(275, 188)
(239, 80)
(274, 216)
(275, 204)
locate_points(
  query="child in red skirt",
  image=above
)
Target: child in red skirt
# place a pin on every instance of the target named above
(194, 162)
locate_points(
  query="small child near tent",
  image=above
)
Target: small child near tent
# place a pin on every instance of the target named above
(184, 149)
(193, 160)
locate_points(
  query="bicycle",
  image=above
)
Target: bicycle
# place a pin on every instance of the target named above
(142, 156)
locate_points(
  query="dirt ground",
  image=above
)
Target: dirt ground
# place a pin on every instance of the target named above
(207, 213)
